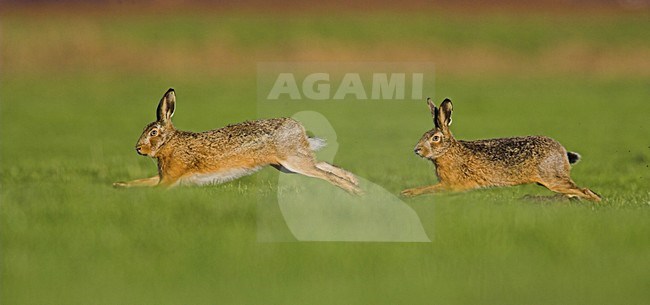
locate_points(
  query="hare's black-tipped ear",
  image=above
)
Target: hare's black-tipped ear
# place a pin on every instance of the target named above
(166, 106)
(444, 114)
(434, 111)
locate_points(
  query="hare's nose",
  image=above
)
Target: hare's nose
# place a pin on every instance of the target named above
(138, 148)
(417, 150)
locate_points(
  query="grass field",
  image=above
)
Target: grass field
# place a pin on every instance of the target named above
(77, 89)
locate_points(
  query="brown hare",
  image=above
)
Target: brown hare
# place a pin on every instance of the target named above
(465, 165)
(231, 152)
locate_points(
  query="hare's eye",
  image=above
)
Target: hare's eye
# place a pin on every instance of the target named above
(435, 138)
(153, 133)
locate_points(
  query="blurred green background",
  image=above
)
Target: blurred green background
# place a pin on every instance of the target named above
(79, 82)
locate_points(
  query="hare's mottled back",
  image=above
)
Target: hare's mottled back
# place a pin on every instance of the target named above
(250, 138)
(513, 152)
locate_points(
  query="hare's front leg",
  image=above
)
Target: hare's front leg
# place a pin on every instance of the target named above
(153, 181)
(423, 190)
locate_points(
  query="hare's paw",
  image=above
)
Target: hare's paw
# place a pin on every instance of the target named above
(410, 192)
(591, 195)
(357, 191)
(120, 184)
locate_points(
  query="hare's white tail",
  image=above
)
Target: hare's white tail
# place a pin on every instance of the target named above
(316, 143)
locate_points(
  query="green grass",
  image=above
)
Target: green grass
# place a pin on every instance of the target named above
(68, 237)
(523, 33)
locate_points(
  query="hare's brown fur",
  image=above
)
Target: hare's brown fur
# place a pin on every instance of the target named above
(464, 165)
(230, 152)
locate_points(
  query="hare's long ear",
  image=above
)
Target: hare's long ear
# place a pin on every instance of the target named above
(434, 111)
(444, 115)
(166, 106)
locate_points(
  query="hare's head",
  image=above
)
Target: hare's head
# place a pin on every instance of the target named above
(435, 142)
(156, 133)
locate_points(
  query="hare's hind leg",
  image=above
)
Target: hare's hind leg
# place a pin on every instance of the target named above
(306, 166)
(153, 181)
(338, 171)
(567, 187)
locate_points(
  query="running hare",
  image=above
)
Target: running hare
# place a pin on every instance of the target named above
(230, 152)
(464, 165)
